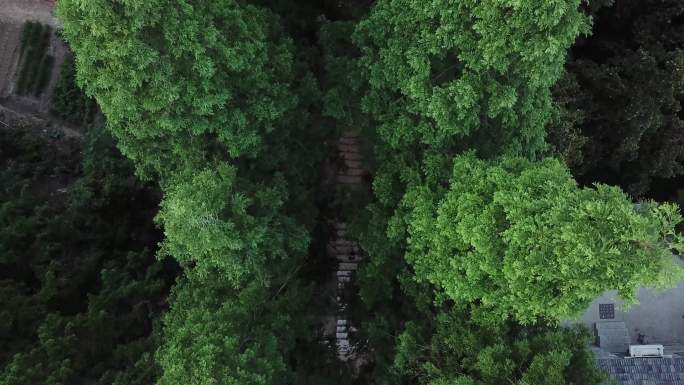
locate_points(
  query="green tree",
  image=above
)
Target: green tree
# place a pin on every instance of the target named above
(461, 74)
(81, 292)
(450, 348)
(217, 334)
(110, 343)
(209, 220)
(213, 99)
(174, 89)
(68, 101)
(520, 238)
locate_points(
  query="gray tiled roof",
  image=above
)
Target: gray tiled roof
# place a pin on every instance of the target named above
(645, 371)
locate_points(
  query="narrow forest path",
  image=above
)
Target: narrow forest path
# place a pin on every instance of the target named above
(42, 123)
(345, 251)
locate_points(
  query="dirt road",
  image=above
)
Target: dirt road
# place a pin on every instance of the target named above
(12, 119)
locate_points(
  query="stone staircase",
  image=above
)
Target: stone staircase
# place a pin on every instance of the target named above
(348, 257)
(613, 336)
(346, 252)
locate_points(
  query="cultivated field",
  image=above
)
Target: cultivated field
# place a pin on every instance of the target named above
(13, 15)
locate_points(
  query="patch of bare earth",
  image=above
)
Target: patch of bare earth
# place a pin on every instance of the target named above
(10, 33)
(18, 11)
(11, 119)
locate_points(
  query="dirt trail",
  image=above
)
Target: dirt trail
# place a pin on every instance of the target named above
(13, 119)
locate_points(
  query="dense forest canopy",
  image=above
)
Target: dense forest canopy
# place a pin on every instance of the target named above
(514, 148)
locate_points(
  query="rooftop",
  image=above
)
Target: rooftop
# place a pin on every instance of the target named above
(644, 371)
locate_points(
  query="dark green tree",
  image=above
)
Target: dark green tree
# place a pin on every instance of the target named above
(623, 96)
(175, 90)
(213, 99)
(82, 292)
(456, 75)
(445, 78)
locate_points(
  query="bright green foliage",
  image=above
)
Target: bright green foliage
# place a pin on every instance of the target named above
(443, 71)
(452, 349)
(218, 335)
(521, 238)
(211, 98)
(442, 78)
(215, 100)
(207, 219)
(174, 77)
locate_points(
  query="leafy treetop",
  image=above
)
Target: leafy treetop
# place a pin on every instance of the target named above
(520, 238)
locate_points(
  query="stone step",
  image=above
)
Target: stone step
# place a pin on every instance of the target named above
(349, 179)
(342, 147)
(339, 225)
(341, 335)
(347, 249)
(343, 344)
(347, 266)
(351, 172)
(341, 329)
(343, 242)
(341, 322)
(353, 163)
(613, 332)
(343, 278)
(344, 273)
(613, 336)
(349, 257)
(348, 139)
(609, 325)
(351, 156)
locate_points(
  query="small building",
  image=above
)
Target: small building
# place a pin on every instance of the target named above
(658, 319)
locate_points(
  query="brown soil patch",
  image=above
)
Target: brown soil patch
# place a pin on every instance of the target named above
(10, 33)
(18, 11)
